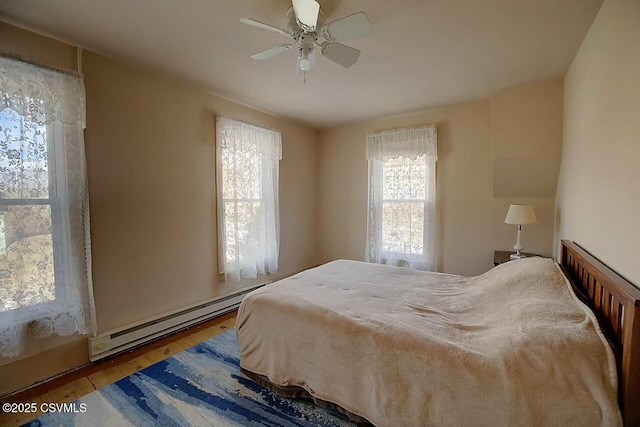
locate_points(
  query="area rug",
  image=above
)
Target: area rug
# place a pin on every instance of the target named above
(201, 386)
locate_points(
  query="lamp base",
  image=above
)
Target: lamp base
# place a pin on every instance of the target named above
(517, 256)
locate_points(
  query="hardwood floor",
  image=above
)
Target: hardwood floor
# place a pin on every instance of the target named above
(83, 381)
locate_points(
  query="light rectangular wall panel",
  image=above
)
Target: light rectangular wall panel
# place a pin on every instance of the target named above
(525, 176)
(598, 203)
(526, 139)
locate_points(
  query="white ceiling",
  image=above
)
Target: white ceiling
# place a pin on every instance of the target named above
(421, 53)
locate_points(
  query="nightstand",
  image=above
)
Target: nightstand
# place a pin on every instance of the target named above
(500, 257)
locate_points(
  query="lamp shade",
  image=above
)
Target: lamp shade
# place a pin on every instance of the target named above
(520, 214)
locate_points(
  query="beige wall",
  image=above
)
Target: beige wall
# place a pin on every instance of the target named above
(526, 138)
(32, 47)
(151, 164)
(598, 202)
(471, 220)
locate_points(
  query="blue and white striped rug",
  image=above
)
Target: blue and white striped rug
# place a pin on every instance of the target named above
(201, 386)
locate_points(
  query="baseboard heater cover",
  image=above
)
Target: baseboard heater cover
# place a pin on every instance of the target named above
(121, 339)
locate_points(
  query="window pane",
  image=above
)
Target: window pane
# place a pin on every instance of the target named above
(403, 227)
(26, 264)
(242, 228)
(23, 158)
(404, 178)
(241, 174)
(247, 162)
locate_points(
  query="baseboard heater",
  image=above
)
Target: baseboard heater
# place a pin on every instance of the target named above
(118, 340)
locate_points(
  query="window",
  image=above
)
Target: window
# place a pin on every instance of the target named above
(247, 162)
(401, 219)
(45, 278)
(26, 207)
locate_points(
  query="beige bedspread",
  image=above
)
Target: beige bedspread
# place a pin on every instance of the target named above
(512, 347)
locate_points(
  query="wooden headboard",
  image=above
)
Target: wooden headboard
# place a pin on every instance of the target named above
(616, 303)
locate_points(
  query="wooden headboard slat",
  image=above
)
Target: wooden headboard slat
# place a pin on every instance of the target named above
(615, 317)
(616, 303)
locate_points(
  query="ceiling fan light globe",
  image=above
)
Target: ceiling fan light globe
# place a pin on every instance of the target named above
(305, 64)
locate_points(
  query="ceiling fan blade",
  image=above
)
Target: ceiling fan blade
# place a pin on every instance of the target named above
(352, 27)
(266, 54)
(306, 14)
(264, 26)
(341, 54)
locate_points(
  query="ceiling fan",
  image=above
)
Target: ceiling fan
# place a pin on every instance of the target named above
(305, 24)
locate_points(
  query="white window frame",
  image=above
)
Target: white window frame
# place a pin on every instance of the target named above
(389, 254)
(63, 112)
(55, 170)
(271, 153)
(381, 147)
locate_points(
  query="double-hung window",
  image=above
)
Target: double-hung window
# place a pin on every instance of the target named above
(401, 217)
(248, 159)
(45, 275)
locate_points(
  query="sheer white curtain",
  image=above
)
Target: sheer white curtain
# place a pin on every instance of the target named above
(45, 255)
(248, 159)
(401, 220)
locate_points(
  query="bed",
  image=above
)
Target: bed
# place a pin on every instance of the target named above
(395, 346)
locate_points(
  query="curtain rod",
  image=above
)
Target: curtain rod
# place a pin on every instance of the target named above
(403, 130)
(36, 64)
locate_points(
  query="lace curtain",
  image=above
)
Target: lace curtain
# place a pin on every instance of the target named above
(248, 165)
(45, 256)
(401, 220)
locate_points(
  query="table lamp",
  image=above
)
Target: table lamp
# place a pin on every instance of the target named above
(520, 215)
